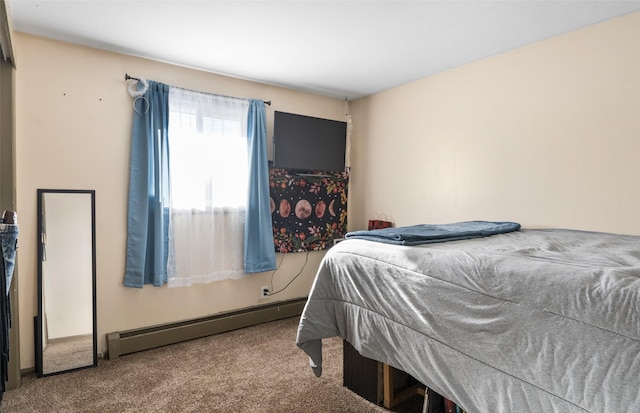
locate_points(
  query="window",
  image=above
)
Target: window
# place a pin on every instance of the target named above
(208, 151)
(189, 196)
(208, 167)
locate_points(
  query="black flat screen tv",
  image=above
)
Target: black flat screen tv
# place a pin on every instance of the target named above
(307, 144)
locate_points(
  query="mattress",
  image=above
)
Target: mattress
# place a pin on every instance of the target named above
(529, 321)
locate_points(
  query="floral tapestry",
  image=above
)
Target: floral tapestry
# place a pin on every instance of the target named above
(308, 211)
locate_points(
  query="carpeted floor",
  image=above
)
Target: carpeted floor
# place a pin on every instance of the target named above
(253, 370)
(67, 354)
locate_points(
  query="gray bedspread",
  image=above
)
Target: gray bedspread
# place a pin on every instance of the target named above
(529, 321)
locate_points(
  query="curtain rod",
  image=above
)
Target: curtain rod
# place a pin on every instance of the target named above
(127, 77)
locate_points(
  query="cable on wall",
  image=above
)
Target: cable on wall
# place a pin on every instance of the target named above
(306, 259)
(347, 116)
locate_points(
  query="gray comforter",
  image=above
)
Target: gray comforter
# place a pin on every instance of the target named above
(530, 321)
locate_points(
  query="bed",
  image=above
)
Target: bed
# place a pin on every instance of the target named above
(536, 320)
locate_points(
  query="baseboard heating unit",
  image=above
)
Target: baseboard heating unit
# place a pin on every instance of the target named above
(132, 341)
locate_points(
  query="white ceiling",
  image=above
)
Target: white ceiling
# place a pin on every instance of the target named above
(343, 49)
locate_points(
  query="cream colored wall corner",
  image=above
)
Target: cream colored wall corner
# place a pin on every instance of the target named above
(73, 132)
(547, 135)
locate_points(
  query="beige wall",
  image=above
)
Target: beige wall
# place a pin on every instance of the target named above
(73, 132)
(547, 135)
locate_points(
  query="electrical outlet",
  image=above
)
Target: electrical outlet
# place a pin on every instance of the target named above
(264, 291)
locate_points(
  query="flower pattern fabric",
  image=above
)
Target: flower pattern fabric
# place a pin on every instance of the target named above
(307, 211)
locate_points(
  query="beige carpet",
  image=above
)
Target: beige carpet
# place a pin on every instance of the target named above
(67, 353)
(253, 370)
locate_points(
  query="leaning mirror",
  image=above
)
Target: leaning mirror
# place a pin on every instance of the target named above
(65, 328)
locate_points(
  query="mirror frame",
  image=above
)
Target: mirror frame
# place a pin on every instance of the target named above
(38, 319)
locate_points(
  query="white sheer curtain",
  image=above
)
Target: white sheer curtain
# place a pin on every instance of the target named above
(209, 177)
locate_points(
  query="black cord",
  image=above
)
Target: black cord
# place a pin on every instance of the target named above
(274, 273)
(306, 259)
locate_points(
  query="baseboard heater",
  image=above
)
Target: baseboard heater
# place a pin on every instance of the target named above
(132, 341)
